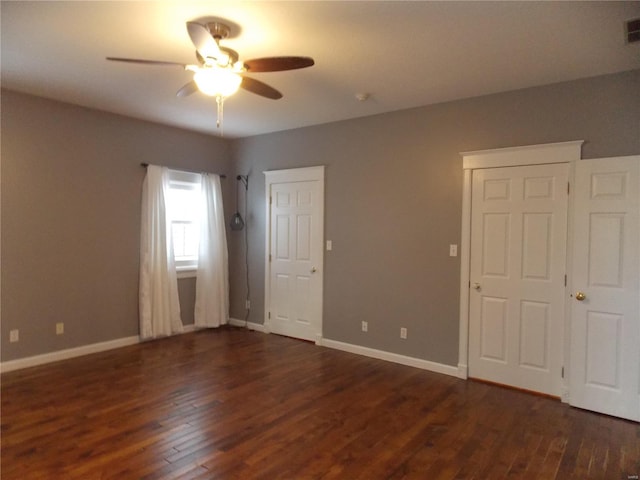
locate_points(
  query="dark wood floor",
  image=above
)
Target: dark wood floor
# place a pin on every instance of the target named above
(237, 404)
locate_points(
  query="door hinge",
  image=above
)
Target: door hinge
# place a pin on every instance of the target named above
(269, 315)
(270, 259)
(565, 280)
(270, 199)
(562, 372)
(568, 188)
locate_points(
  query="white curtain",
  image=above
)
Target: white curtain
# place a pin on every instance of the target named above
(212, 281)
(159, 304)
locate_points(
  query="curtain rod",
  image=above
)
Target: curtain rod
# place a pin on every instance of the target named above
(145, 165)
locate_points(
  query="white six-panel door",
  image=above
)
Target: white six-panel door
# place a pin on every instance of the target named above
(295, 255)
(517, 274)
(605, 304)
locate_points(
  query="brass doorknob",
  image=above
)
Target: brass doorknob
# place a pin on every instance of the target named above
(580, 296)
(476, 285)
(313, 270)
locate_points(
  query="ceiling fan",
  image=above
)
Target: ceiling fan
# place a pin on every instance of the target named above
(219, 71)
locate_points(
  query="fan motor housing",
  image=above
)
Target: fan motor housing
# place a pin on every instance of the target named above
(218, 30)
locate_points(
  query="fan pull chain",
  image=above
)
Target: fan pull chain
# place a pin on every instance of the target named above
(219, 121)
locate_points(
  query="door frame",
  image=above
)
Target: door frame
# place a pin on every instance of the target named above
(292, 175)
(549, 153)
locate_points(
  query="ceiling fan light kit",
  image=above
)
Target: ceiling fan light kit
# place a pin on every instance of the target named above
(217, 81)
(219, 72)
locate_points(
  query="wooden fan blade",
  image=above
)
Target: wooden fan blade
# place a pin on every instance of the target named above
(145, 62)
(259, 88)
(202, 40)
(187, 89)
(278, 64)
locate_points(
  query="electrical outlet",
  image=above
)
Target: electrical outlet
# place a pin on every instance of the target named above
(59, 328)
(365, 326)
(453, 250)
(14, 336)
(329, 245)
(247, 304)
(403, 332)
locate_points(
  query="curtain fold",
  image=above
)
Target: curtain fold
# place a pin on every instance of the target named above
(158, 296)
(212, 280)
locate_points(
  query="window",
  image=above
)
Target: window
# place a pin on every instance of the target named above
(184, 215)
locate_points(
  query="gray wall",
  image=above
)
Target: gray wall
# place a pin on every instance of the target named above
(70, 206)
(393, 201)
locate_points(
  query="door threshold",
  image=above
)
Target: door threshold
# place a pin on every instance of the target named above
(518, 389)
(294, 338)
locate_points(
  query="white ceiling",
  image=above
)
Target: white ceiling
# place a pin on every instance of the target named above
(404, 54)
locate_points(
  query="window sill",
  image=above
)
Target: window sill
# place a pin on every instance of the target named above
(187, 272)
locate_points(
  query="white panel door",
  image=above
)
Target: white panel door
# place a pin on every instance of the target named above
(295, 279)
(605, 310)
(517, 269)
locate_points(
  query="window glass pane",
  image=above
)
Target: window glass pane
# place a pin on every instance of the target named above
(185, 239)
(182, 209)
(183, 204)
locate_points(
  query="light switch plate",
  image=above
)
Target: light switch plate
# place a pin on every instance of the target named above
(453, 250)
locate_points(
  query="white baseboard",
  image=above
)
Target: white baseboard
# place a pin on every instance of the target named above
(371, 352)
(463, 371)
(258, 327)
(66, 354)
(75, 352)
(392, 357)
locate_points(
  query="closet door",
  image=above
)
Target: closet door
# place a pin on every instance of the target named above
(605, 305)
(517, 269)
